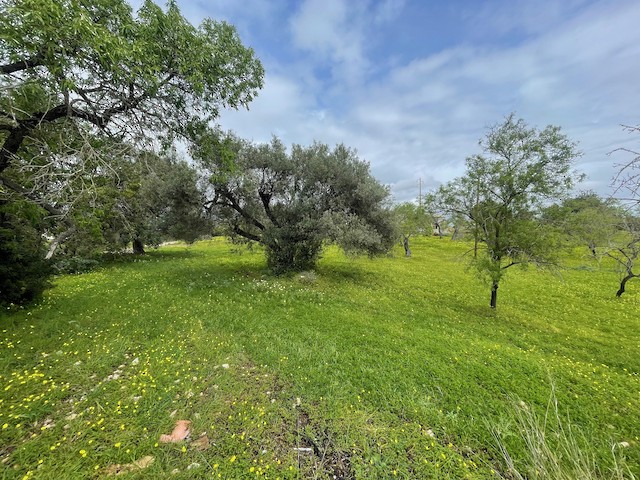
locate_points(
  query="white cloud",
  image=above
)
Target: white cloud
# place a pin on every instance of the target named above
(388, 10)
(328, 29)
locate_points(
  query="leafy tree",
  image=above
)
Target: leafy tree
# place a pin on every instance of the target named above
(294, 202)
(412, 219)
(503, 193)
(77, 73)
(77, 76)
(587, 219)
(142, 199)
(94, 62)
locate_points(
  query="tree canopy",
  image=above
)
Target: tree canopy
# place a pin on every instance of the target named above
(293, 202)
(504, 190)
(148, 76)
(586, 219)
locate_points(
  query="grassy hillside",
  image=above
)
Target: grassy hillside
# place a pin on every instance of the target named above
(383, 368)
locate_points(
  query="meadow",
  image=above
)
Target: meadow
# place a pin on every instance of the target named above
(365, 368)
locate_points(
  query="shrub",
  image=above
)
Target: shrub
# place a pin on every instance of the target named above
(24, 272)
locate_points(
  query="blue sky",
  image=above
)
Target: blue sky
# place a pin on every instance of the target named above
(413, 85)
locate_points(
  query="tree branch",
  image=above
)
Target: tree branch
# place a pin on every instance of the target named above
(25, 193)
(236, 206)
(20, 65)
(247, 235)
(266, 198)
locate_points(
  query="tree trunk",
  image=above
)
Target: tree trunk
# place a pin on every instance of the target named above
(138, 246)
(623, 283)
(439, 230)
(407, 250)
(494, 294)
(57, 241)
(454, 236)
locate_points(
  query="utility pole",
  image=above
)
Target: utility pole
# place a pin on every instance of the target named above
(420, 192)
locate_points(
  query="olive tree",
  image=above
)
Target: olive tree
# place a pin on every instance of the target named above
(293, 202)
(142, 199)
(586, 219)
(412, 220)
(504, 189)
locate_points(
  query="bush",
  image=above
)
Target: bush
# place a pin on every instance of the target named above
(75, 264)
(24, 272)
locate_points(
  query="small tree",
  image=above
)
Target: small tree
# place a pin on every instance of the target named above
(412, 220)
(294, 202)
(626, 251)
(627, 190)
(24, 272)
(503, 193)
(586, 220)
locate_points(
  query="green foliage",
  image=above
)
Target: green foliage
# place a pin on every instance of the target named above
(24, 274)
(413, 219)
(586, 220)
(142, 196)
(154, 71)
(504, 190)
(294, 202)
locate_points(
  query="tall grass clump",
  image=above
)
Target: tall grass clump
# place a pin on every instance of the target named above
(557, 449)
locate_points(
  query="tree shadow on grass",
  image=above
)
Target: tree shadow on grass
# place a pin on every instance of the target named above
(348, 274)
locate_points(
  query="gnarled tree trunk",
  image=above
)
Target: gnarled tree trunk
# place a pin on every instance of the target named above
(624, 281)
(138, 246)
(405, 244)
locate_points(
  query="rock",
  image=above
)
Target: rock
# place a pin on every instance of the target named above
(179, 433)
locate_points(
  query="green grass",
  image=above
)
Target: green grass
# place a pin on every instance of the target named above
(384, 368)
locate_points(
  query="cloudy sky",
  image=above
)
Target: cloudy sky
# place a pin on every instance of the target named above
(414, 84)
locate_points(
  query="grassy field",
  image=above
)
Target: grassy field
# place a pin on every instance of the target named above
(384, 368)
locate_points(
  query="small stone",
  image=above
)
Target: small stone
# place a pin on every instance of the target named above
(193, 465)
(225, 365)
(623, 444)
(135, 361)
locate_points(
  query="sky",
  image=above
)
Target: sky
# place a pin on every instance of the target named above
(413, 85)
